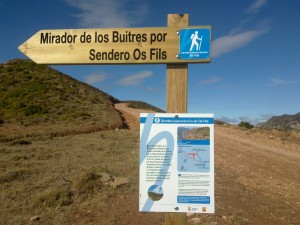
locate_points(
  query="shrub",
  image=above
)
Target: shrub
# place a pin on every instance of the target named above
(56, 198)
(34, 109)
(1, 117)
(246, 125)
(1, 114)
(18, 174)
(88, 183)
(21, 142)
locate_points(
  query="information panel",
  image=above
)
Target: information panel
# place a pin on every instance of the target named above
(177, 163)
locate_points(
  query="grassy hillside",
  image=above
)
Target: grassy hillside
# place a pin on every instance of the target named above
(143, 105)
(47, 174)
(36, 98)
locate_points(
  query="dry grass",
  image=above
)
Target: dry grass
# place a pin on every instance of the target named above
(14, 174)
(60, 180)
(58, 197)
(54, 178)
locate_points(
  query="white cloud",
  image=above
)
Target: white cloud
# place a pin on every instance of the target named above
(256, 120)
(277, 81)
(158, 190)
(240, 37)
(232, 42)
(134, 79)
(95, 78)
(153, 89)
(210, 80)
(256, 6)
(109, 13)
(253, 120)
(228, 120)
(264, 117)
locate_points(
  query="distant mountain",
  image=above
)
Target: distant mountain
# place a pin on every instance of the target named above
(282, 122)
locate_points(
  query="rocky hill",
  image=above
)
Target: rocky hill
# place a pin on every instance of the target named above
(36, 98)
(283, 122)
(193, 134)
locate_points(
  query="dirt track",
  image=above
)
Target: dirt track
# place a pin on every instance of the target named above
(257, 178)
(131, 115)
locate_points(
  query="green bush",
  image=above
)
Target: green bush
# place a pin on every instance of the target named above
(246, 125)
(1, 117)
(34, 109)
(21, 142)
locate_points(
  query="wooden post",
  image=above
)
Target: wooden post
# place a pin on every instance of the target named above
(177, 77)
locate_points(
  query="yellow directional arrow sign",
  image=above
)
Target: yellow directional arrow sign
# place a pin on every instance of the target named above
(119, 46)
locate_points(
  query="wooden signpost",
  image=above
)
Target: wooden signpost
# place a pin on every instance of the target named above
(175, 45)
(177, 83)
(108, 46)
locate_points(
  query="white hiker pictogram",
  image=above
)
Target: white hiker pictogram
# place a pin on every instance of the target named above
(195, 39)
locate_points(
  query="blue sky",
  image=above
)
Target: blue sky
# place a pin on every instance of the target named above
(255, 66)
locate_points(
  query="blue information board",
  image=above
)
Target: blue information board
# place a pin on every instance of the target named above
(195, 44)
(176, 162)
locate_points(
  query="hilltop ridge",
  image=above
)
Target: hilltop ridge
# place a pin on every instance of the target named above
(37, 98)
(289, 122)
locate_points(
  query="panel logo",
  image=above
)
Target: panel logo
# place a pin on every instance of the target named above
(156, 120)
(194, 44)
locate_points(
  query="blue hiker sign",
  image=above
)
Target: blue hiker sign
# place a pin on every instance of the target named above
(195, 44)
